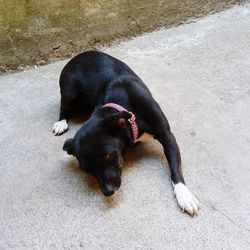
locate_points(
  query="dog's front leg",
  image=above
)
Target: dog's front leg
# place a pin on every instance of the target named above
(185, 198)
(61, 125)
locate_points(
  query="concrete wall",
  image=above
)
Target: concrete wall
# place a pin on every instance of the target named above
(38, 32)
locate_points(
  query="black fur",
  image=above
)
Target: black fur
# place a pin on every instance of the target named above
(92, 79)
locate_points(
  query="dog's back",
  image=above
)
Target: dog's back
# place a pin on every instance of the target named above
(85, 78)
(83, 69)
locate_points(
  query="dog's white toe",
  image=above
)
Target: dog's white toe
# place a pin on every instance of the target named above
(186, 199)
(60, 127)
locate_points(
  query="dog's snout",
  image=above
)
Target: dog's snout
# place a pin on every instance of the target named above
(111, 176)
(111, 185)
(109, 190)
(109, 180)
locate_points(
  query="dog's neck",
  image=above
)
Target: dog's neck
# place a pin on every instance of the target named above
(127, 134)
(131, 120)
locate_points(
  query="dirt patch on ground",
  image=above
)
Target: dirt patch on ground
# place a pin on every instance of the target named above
(40, 32)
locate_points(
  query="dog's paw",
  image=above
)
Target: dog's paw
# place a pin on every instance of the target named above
(60, 127)
(186, 199)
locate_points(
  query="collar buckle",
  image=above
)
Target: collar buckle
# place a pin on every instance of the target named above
(132, 118)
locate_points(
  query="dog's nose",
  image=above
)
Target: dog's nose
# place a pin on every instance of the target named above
(109, 190)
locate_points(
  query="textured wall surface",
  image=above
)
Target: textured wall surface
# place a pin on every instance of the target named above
(38, 32)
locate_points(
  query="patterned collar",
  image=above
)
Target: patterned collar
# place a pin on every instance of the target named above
(131, 120)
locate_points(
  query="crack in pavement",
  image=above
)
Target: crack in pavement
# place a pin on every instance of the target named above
(224, 215)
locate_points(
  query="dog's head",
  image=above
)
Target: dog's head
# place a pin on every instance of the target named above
(99, 147)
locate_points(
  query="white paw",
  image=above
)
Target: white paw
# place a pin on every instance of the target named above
(186, 199)
(60, 127)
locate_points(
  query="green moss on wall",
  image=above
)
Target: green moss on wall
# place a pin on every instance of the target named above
(38, 32)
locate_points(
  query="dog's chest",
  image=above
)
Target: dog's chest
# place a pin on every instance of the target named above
(144, 137)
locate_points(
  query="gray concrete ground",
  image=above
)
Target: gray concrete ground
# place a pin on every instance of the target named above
(200, 74)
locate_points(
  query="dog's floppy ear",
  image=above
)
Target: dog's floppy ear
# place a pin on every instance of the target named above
(69, 146)
(118, 118)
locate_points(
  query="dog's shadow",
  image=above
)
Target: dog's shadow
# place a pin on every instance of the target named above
(137, 152)
(90, 183)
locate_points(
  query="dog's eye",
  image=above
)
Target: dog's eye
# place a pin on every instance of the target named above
(107, 157)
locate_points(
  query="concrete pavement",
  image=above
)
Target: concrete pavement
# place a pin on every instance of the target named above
(199, 73)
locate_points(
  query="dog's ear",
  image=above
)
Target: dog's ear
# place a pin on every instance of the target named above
(118, 119)
(121, 118)
(69, 146)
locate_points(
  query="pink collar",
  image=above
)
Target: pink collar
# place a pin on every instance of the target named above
(131, 120)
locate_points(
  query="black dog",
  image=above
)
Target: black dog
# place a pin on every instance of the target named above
(122, 110)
